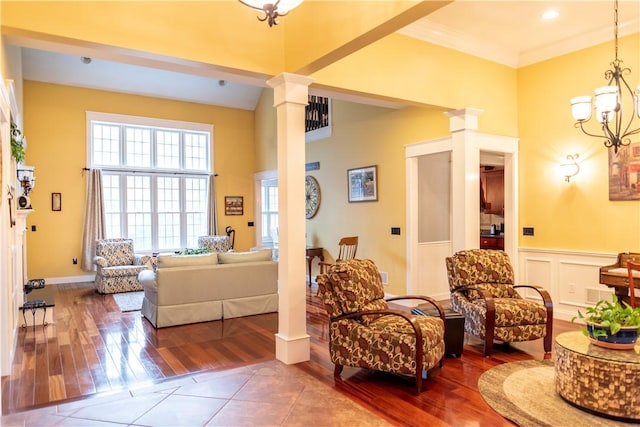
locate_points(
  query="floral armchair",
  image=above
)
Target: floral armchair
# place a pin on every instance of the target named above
(365, 333)
(482, 288)
(118, 266)
(215, 243)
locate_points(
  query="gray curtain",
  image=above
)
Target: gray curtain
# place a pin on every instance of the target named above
(94, 219)
(213, 206)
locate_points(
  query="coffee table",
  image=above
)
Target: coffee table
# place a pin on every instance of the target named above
(600, 380)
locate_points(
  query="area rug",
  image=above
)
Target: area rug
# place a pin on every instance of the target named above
(524, 392)
(129, 301)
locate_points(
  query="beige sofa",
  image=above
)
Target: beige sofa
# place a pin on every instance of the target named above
(197, 288)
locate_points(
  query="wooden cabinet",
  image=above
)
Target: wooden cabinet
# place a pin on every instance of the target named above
(491, 242)
(493, 181)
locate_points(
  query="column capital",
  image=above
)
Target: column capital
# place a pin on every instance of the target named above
(289, 87)
(463, 119)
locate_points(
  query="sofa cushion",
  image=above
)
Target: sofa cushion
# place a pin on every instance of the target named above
(172, 260)
(238, 257)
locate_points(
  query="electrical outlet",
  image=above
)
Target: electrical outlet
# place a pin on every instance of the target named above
(250, 224)
(572, 288)
(75, 261)
(395, 230)
(384, 276)
(527, 231)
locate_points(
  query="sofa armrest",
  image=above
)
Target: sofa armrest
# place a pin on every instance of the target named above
(100, 261)
(147, 279)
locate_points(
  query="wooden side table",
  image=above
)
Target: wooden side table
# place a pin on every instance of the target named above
(311, 254)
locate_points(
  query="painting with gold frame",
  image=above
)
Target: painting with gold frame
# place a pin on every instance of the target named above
(624, 173)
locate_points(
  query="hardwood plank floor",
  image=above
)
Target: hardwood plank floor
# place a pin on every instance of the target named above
(93, 348)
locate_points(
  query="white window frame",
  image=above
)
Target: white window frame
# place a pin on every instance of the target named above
(170, 125)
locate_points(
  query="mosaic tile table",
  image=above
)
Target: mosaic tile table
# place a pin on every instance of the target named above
(597, 379)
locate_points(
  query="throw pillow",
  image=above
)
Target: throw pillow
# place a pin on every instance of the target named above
(238, 257)
(165, 261)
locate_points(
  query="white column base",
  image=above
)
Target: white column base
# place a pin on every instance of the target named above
(292, 351)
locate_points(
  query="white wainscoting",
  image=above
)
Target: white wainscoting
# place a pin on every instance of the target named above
(432, 271)
(571, 277)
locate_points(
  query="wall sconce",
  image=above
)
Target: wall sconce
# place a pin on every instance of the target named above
(570, 167)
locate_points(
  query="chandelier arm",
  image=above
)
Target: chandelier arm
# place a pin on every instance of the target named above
(580, 125)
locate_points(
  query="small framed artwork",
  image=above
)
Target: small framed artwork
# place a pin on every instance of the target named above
(363, 184)
(56, 202)
(233, 205)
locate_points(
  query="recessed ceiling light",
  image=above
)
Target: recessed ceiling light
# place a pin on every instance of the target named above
(85, 60)
(550, 14)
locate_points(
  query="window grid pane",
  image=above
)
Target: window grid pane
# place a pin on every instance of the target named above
(169, 230)
(195, 151)
(168, 150)
(138, 143)
(106, 144)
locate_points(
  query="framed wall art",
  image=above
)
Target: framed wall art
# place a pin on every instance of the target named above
(233, 205)
(56, 202)
(363, 184)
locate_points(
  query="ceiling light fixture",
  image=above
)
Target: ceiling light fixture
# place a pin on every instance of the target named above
(272, 10)
(550, 14)
(608, 103)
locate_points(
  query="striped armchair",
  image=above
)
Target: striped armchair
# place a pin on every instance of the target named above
(482, 288)
(118, 266)
(365, 333)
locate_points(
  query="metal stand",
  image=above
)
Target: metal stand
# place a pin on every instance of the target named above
(34, 305)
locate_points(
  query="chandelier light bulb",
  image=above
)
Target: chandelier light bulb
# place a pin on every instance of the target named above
(581, 108)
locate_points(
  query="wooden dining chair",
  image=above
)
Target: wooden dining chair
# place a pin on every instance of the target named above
(633, 270)
(347, 248)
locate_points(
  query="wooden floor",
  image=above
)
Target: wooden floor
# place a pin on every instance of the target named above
(93, 348)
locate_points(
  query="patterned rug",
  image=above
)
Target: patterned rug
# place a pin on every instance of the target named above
(129, 301)
(524, 392)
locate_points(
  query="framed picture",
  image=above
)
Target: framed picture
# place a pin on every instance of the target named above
(56, 201)
(233, 205)
(363, 184)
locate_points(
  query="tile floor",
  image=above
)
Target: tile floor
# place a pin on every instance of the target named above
(266, 394)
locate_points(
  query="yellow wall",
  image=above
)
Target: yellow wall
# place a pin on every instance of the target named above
(576, 215)
(427, 74)
(56, 133)
(265, 120)
(364, 136)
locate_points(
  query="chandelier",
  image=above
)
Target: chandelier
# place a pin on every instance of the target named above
(272, 10)
(608, 103)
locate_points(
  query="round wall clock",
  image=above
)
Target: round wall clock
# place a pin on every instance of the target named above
(312, 196)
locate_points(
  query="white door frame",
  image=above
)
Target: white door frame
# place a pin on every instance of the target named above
(465, 144)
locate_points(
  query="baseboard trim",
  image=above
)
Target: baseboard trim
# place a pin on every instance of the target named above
(70, 279)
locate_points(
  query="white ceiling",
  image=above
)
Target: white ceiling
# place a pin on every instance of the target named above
(509, 32)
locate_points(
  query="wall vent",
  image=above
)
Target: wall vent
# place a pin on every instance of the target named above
(594, 295)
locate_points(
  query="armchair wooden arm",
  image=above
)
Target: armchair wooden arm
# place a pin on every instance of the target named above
(548, 304)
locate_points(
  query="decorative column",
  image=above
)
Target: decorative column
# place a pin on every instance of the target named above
(465, 181)
(290, 98)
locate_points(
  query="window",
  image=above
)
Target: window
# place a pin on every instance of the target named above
(155, 178)
(269, 212)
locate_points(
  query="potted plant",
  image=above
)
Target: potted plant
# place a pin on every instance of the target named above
(611, 324)
(17, 143)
